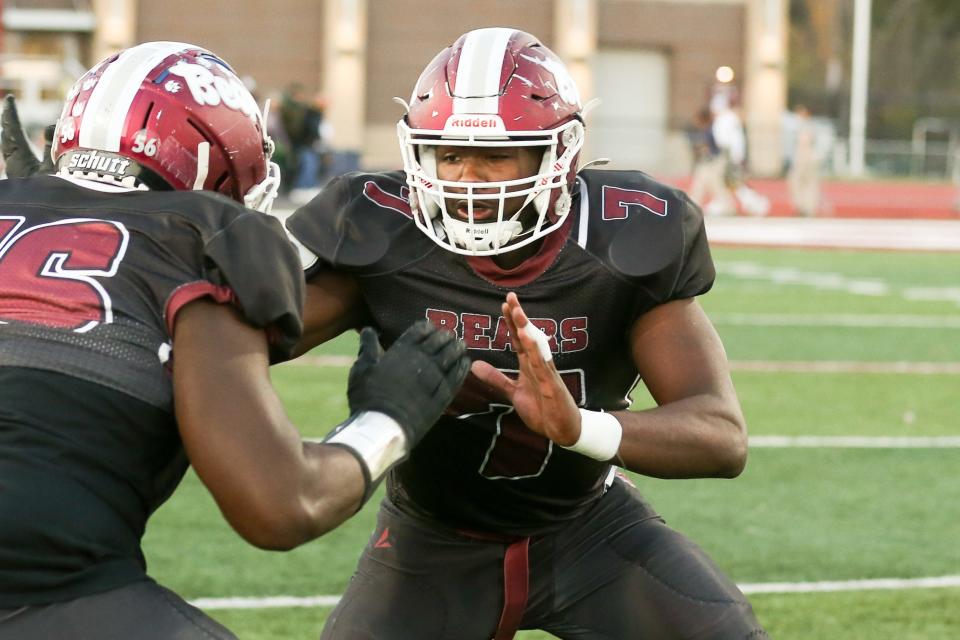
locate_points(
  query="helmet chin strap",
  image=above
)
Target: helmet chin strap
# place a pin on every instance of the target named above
(428, 165)
(481, 236)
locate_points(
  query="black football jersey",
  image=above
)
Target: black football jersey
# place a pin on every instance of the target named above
(91, 280)
(629, 244)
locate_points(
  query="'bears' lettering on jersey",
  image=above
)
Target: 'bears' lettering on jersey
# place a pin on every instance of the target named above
(480, 331)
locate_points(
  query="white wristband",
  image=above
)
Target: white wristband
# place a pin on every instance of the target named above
(376, 437)
(600, 435)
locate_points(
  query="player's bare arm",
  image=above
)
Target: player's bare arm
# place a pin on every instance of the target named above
(275, 490)
(697, 429)
(332, 305)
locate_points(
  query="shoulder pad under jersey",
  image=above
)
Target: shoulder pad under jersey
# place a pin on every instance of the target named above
(643, 229)
(637, 225)
(361, 222)
(242, 249)
(249, 252)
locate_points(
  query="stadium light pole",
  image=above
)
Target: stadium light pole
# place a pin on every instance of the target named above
(859, 77)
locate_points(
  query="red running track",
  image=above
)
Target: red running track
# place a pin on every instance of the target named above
(864, 199)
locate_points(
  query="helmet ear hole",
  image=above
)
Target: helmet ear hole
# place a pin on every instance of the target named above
(146, 116)
(221, 179)
(199, 129)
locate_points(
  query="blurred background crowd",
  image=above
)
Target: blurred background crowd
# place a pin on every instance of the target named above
(757, 107)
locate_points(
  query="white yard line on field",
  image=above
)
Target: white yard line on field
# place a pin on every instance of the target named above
(846, 366)
(856, 320)
(323, 361)
(831, 281)
(855, 442)
(273, 602)
(851, 585)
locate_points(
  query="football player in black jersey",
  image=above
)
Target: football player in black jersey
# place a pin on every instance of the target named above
(140, 306)
(510, 513)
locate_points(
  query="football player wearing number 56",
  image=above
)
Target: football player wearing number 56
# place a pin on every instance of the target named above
(140, 306)
(511, 514)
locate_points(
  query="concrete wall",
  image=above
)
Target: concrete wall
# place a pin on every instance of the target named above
(276, 43)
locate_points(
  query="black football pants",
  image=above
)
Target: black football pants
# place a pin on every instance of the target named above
(617, 572)
(139, 611)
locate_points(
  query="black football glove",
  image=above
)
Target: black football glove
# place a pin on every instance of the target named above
(413, 381)
(17, 155)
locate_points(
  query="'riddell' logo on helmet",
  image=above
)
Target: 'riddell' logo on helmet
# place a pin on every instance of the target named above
(484, 122)
(480, 230)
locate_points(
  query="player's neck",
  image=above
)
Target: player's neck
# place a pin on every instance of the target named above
(513, 259)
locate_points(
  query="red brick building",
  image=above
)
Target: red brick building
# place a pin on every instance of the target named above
(652, 62)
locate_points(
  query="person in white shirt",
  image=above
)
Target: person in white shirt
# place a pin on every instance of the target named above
(729, 135)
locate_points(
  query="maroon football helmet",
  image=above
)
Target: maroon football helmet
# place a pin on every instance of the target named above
(492, 87)
(167, 115)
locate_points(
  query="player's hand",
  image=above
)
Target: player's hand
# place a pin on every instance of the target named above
(538, 395)
(19, 158)
(413, 381)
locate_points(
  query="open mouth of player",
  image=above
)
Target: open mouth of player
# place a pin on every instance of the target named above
(483, 211)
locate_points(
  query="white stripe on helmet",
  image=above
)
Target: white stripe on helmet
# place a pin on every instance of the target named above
(110, 100)
(478, 71)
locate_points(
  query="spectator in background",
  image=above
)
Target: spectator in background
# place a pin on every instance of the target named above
(803, 176)
(323, 146)
(731, 139)
(956, 180)
(707, 177)
(301, 119)
(788, 140)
